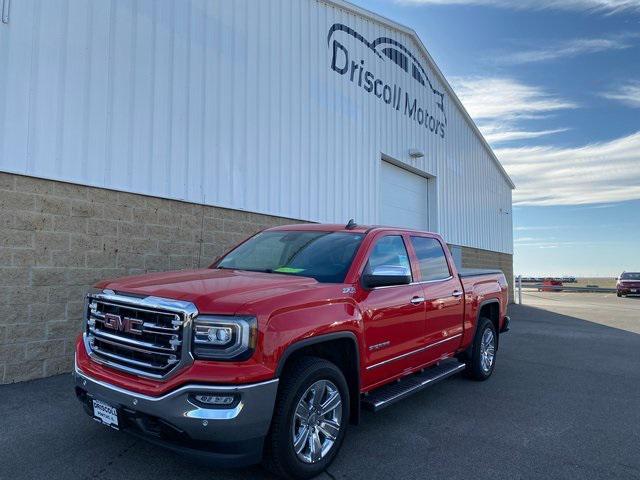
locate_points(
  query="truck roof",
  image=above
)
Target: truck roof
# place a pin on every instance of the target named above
(335, 227)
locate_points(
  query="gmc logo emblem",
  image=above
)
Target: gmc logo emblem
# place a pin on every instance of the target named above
(123, 324)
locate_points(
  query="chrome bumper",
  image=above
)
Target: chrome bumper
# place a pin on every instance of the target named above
(248, 421)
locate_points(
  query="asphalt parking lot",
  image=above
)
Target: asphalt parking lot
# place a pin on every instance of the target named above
(564, 402)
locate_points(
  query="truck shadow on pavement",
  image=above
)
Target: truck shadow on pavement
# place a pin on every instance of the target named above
(562, 403)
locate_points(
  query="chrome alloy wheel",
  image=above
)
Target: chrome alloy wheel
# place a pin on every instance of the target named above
(487, 350)
(316, 422)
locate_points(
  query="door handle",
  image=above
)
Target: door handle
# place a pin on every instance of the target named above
(457, 293)
(417, 300)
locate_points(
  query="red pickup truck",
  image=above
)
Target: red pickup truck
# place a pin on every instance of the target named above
(272, 351)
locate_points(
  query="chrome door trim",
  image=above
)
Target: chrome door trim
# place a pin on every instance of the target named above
(422, 282)
(413, 352)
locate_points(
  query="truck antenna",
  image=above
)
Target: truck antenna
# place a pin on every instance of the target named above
(352, 224)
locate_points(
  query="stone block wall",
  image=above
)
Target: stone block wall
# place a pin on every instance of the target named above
(57, 239)
(477, 258)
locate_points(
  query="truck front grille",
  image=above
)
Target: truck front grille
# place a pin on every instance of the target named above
(141, 336)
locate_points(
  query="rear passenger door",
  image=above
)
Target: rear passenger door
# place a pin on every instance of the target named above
(444, 300)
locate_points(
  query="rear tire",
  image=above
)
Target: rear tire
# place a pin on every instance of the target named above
(299, 387)
(619, 294)
(481, 360)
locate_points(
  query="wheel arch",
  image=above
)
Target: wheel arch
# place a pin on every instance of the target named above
(331, 347)
(490, 309)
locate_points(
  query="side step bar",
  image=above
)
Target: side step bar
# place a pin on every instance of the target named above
(389, 394)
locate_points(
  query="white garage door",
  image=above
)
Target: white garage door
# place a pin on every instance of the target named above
(403, 198)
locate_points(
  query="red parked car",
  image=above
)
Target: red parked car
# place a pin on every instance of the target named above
(628, 284)
(273, 350)
(551, 285)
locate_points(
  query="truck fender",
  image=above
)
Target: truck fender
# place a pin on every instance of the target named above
(475, 326)
(291, 349)
(354, 388)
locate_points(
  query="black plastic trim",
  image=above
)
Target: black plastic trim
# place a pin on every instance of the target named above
(506, 326)
(486, 302)
(291, 349)
(231, 455)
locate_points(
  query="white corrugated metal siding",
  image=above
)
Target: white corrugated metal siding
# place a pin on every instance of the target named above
(231, 104)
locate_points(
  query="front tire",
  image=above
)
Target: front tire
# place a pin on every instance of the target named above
(482, 358)
(309, 420)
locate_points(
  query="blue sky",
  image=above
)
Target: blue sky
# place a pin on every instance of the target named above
(554, 85)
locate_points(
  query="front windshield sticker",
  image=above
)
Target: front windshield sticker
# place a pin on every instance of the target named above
(288, 270)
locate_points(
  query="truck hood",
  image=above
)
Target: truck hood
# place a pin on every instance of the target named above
(212, 290)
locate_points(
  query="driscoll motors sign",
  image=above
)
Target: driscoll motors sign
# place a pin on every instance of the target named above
(355, 69)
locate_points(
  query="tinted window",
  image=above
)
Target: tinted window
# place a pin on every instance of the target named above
(630, 276)
(389, 251)
(433, 263)
(325, 256)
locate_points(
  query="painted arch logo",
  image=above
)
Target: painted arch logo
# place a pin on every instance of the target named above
(387, 49)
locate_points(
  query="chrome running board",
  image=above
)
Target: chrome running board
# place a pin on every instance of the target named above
(389, 394)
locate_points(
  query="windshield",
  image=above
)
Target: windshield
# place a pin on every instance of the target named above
(630, 276)
(325, 256)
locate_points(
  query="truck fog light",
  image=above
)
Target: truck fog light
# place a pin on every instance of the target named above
(216, 399)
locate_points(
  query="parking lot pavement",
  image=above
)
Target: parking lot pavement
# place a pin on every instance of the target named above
(603, 308)
(563, 403)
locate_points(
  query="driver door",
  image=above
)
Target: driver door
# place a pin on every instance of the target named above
(394, 316)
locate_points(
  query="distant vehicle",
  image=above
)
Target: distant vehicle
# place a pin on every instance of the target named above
(542, 279)
(628, 284)
(551, 285)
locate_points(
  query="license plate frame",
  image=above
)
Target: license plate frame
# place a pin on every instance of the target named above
(106, 414)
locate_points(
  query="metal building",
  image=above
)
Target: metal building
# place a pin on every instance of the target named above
(314, 110)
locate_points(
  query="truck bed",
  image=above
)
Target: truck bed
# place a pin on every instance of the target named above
(476, 272)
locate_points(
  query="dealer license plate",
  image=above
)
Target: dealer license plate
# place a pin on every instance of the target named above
(105, 413)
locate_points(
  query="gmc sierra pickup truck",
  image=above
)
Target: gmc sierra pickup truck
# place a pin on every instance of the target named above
(269, 354)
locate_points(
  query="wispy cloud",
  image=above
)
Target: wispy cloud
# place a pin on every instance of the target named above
(527, 239)
(530, 228)
(628, 94)
(505, 98)
(499, 105)
(499, 133)
(596, 173)
(552, 244)
(568, 49)
(606, 6)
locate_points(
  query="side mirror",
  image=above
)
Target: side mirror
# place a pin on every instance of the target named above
(386, 276)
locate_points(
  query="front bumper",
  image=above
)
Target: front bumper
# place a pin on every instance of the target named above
(226, 437)
(628, 290)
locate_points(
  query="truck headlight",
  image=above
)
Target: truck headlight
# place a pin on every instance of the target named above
(224, 338)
